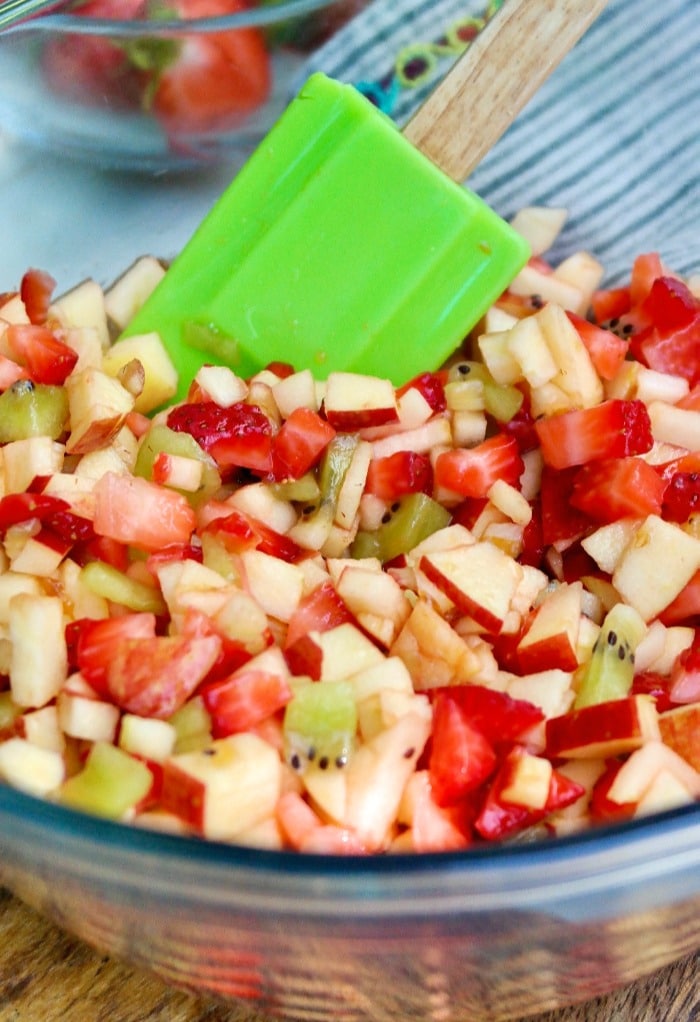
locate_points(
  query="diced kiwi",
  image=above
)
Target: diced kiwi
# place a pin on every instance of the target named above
(409, 522)
(320, 723)
(500, 401)
(32, 409)
(160, 439)
(111, 782)
(610, 671)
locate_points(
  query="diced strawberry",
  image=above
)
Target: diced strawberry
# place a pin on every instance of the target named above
(153, 677)
(232, 652)
(645, 270)
(533, 543)
(472, 471)
(299, 444)
(606, 349)
(241, 701)
(681, 496)
(240, 532)
(562, 524)
(139, 513)
(612, 429)
(102, 548)
(673, 345)
(281, 369)
(461, 757)
(684, 683)
(320, 610)
(397, 474)
(610, 303)
(71, 527)
(96, 642)
(498, 716)
(499, 819)
(215, 79)
(46, 357)
(617, 488)
(522, 427)
(431, 386)
(16, 508)
(210, 424)
(36, 289)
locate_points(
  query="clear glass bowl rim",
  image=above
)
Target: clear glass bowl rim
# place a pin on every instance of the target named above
(634, 855)
(268, 14)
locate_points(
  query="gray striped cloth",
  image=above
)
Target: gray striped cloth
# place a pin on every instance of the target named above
(613, 136)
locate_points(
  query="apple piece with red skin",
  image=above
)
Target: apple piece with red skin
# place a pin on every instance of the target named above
(640, 772)
(227, 787)
(611, 728)
(353, 401)
(332, 654)
(98, 407)
(499, 819)
(680, 731)
(480, 579)
(551, 638)
(655, 566)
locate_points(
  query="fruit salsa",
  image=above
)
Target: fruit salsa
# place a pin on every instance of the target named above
(348, 617)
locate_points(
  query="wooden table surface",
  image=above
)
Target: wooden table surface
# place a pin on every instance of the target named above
(46, 976)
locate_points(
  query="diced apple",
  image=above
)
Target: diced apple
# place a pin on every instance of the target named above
(532, 281)
(433, 652)
(38, 555)
(678, 426)
(89, 719)
(377, 775)
(23, 460)
(607, 544)
(354, 401)
(527, 344)
(275, 584)
(577, 376)
(231, 785)
(494, 347)
(680, 731)
(603, 729)
(126, 295)
(479, 579)
(297, 390)
(11, 584)
(527, 782)
(551, 640)
(539, 225)
(41, 727)
(83, 305)
(376, 593)
(510, 502)
(641, 769)
(30, 768)
(437, 432)
(655, 566)
(584, 273)
(551, 690)
(220, 384)
(350, 494)
(39, 657)
(98, 407)
(147, 737)
(260, 502)
(160, 375)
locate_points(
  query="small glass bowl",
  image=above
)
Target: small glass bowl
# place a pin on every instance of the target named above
(156, 93)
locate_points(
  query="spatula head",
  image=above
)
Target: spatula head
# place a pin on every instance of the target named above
(338, 246)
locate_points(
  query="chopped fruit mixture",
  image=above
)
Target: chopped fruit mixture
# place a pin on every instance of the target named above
(343, 617)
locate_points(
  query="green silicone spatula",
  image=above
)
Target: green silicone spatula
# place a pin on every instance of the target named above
(345, 244)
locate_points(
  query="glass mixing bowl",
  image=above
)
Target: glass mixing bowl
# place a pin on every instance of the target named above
(483, 935)
(159, 92)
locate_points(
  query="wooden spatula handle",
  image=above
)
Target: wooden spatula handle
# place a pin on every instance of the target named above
(489, 85)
